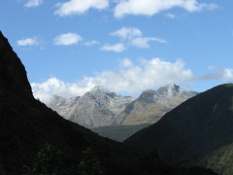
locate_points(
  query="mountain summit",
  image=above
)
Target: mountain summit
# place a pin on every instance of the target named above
(105, 112)
(167, 95)
(95, 108)
(151, 105)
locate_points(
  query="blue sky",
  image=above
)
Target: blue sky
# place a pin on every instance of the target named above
(70, 46)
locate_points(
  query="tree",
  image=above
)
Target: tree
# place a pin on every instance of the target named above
(90, 165)
(48, 161)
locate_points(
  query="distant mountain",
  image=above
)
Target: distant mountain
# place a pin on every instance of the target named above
(199, 132)
(105, 112)
(152, 105)
(62, 105)
(96, 108)
(36, 140)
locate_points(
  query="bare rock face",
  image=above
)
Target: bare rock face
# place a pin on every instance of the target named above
(152, 105)
(94, 109)
(118, 117)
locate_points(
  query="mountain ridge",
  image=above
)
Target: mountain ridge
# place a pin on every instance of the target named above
(27, 125)
(198, 132)
(106, 112)
(95, 108)
(112, 104)
(12, 71)
(151, 105)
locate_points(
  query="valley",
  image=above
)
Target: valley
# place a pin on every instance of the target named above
(36, 140)
(118, 117)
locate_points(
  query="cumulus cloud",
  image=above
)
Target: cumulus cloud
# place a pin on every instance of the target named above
(118, 47)
(127, 32)
(131, 36)
(152, 7)
(54, 86)
(130, 78)
(126, 63)
(91, 43)
(221, 74)
(143, 42)
(34, 41)
(170, 15)
(67, 39)
(33, 3)
(78, 6)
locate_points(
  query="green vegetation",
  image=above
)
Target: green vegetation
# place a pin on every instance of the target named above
(90, 165)
(51, 161)
(48, 161)
(221, 159)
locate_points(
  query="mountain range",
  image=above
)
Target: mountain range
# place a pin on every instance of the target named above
(118, 117)
(36, 140)
(95, 108)
(199, 132)
(151, 105)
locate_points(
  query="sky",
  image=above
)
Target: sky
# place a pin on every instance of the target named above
(126, 46)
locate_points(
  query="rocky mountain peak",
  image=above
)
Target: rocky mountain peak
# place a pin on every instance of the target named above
(95, 108)
(174, 91)
(165, 92)
(96, 89)
(147, 96)
(13, 78)
(170, 90)
(100, 91)
(153, 104)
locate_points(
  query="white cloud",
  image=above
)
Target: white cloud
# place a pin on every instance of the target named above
(152, 7)
(227, 74)
(91, 43)
(67, 39)
(143, 42)
(210, 6)
(126, 63)
(78, 6)
(54, 86)
(127, 32)
(33, 3)
(131, 36)
(170, 15)
(119, 47)
(34, 41)
(221, 74)
(130, 78)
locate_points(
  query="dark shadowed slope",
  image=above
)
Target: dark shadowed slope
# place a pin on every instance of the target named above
(35, 136)
(12, 74)
(26, 125)
(198, 132)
